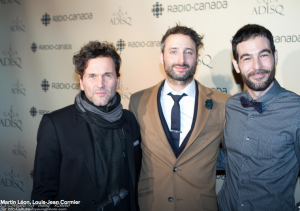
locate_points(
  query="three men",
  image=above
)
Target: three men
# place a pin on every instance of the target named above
(181, 125)
(261, 131)
(85, 151)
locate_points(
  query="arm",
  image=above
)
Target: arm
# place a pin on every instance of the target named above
(47, 162)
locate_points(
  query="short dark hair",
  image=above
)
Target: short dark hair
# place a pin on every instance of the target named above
(93, 50)
(251, 31)
(185, 31)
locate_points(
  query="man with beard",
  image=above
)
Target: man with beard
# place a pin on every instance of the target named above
(181, 125)
(261, 132)
(85, 151)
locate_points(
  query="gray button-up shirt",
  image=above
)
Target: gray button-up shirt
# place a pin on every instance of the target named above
(261, 165)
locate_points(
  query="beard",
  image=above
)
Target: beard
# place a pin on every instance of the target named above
(183, 77)
(260, 84)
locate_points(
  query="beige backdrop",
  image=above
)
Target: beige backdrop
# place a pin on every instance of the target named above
(38, 39)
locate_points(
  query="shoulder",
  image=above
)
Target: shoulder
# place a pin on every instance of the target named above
(288, 96)
(234, 98)
(62, 114)
(219, 96)
(215, 95)
(138, 95)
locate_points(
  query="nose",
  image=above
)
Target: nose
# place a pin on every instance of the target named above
(257, 64)
(101, 82)
(181, 58)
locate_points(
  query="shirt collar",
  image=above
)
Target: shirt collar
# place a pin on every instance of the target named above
(190, 90)
(269, 96)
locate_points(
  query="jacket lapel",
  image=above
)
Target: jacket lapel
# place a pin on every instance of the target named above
(202, 115)
(152, 112)
(83, 137)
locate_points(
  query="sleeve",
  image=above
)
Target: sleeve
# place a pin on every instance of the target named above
(47, 162)
(132, 108)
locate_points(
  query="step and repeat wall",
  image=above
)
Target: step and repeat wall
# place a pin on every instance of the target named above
(38, 40)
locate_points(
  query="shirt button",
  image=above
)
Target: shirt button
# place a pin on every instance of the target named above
(251, 117)
(247, 139)
(170, 199)
(242, 205)
(175, 169)
(246, 160)
(242, 182)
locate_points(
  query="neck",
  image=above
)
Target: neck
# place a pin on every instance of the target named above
(257, 94)
(178, 85)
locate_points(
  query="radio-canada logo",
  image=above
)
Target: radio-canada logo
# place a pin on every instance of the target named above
(18, 88)
(120, 18)
(121, 45)
(157, 9)
(10, 58)
(11, 119)
(46, 19)
(46, 85)
(11, 179)
(34, 47)
(34, 111)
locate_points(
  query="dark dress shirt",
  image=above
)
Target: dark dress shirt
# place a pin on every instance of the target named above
(261, 165)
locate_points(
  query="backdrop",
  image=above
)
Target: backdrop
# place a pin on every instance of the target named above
(39, 38)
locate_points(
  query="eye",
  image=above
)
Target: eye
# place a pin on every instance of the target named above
(189, 53)
(265, 55)
(173, 52)
(108, 75)
(92, 76)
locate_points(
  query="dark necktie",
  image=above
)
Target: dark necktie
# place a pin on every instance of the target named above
(175, 119)
(256, 105)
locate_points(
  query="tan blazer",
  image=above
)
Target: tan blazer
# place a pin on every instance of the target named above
(192, 186)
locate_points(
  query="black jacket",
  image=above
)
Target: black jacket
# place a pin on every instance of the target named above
(64, 166)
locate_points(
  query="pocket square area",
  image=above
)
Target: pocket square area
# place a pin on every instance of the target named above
(136, 143)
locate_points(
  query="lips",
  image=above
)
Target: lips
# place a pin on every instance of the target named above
(100, 93)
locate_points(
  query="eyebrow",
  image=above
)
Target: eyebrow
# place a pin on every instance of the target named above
(175, 48)
(262, 51)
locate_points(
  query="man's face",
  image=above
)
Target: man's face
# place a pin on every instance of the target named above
(179, 57)
(100, 81)
(256, 63)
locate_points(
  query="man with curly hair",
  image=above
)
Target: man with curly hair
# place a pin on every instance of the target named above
(86, 152)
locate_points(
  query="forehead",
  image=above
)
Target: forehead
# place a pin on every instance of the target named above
(179, 41)
(253, 45)
(100, 64)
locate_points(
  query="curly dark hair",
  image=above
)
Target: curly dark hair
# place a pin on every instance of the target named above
(185, 31)
(93, 50)
(251, 31)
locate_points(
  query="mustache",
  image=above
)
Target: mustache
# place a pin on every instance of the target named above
(259, 71)
(181, 65)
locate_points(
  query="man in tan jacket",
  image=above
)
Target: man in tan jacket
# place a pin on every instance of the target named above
(181, 125)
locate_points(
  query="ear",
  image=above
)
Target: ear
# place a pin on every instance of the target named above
(236, 66)
(81, 83)
(276, 57)
(161, 57)
(118, 83)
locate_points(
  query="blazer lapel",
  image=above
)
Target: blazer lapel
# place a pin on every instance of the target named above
(202, 115)
(84, 139)
(152, 112)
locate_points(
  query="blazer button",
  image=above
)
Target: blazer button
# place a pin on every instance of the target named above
(175, 169)
(170, 199)
(94, 202)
